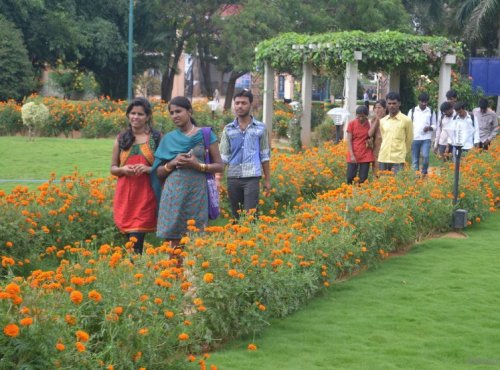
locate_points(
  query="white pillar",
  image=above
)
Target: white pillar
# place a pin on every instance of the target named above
(445, 76)
(305, 122)
(267, 109)
(351, 84)
(394, 81)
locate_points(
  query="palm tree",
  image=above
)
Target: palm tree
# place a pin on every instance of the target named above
(479, 18)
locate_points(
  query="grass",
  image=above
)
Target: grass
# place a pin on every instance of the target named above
(36, 160)
(433, 308)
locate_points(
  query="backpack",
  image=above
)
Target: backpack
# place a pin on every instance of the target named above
(413, 110)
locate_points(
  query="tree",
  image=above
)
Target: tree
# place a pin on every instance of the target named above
(478, 18)
(16, 76)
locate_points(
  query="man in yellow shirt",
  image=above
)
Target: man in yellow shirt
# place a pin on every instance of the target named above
(397, 136)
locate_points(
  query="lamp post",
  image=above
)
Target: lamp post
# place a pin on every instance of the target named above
(130, 41)
(213, 104)
(457, 135)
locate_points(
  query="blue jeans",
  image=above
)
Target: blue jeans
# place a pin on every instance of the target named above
(418, 146)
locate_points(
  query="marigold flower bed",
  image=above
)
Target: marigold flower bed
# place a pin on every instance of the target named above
(72, 295)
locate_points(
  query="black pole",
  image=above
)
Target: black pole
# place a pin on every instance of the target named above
(458, 154)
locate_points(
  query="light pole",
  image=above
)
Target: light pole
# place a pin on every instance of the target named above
(213, 104)
(457, 138)
(130, 47)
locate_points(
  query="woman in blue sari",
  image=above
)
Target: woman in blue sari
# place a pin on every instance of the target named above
(180, 163)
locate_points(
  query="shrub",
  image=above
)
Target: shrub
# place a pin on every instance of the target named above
(35, 116)
(11, 121)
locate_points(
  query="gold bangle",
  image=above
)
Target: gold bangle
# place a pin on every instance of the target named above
(203, 167)
(165, 166)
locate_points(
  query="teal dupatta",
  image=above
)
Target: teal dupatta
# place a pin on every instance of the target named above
(173, 143)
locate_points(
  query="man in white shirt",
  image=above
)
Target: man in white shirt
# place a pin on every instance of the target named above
(424, 123)
(487, 123)
(443, 127)
(464, 131)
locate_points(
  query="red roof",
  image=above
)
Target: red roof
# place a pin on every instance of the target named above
(230, 9)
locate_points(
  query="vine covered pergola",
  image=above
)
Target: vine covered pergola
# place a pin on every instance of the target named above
(334, 53)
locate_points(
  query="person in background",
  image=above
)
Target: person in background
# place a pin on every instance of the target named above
(359, 154)
(244, 148)
(180, 163)
(451, 97)
(397, 136)
(487, 122)
(134, 205)
(380, 111)
(464, 130)
(424, 124)
(443, 129)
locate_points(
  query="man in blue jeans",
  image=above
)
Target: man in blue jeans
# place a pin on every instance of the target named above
(424, 124)
(244, 148)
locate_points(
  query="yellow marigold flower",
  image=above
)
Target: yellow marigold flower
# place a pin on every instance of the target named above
(183, 336)
(60, 347)
(76, 297)
(80, 347)
(11, 330)
(82, 336)
(27, 321)
(252, 347)
(208, 277)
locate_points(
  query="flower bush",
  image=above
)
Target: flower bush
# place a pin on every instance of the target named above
(87, 300)
(35, 116)
(11, 121)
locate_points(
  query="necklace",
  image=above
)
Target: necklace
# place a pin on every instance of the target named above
(190, 131)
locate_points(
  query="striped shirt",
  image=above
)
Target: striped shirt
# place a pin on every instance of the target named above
(245, 151)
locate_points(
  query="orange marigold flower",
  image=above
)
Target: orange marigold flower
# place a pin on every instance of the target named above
(262, 307)
(158, 301)
(143, 331)
(13, 288)
(95, 296)
(208, 277)
(82, 336)
(80, 347)
(191, 358)
(11, 330)
(118, 310)
(27, 321)
(252, 347)
(60, 347)
(76, 297)
(169, 314)
(183, 336)
(205, 264)
(191, 222)
(70, 319)
(9, 244)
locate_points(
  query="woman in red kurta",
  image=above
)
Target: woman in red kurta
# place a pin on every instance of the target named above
(134, 205)
(359, 155)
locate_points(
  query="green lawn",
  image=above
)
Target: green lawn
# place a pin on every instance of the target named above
(35, 160)
(435, 308)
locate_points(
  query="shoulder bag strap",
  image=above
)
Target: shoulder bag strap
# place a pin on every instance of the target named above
(206, 140)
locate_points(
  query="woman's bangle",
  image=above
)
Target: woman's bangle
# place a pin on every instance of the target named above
(165, 166)
(203, 167)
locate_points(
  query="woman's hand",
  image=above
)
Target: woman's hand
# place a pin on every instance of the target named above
(128, 170)
(141, 169)
(186, 160)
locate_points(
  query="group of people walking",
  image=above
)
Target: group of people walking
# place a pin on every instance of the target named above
(386, 140)
(162, 183)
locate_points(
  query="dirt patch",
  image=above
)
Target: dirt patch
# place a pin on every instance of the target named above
(455, 235)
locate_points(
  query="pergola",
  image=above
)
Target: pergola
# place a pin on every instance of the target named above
(337, 52)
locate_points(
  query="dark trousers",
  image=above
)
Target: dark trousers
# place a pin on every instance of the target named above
(139, 244)
(354, 168)
(484, 146)
(243, 193)
(394, 167)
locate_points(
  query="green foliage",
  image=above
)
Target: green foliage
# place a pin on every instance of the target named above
(318, 114)
(11, 121)
(330, 51)
(323, 132)
(16, 78)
